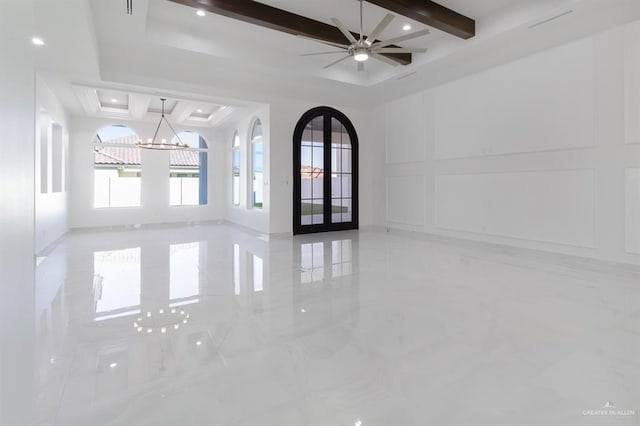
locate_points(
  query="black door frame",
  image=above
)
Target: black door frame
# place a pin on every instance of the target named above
(328, 113)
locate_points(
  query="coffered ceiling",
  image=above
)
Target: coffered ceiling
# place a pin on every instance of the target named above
(131, 105)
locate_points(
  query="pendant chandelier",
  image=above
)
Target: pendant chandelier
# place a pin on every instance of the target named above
(163, 144)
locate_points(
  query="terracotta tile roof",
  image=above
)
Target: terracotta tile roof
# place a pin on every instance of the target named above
(129, 155)
(185, 158)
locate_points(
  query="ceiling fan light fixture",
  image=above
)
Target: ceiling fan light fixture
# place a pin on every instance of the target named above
(361, 55)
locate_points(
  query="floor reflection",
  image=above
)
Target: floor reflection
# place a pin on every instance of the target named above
(139, 307)
(116, 283)
(185, 263)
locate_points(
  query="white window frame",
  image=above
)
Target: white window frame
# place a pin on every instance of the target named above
(235, 147)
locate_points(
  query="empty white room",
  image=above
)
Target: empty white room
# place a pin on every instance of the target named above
(173, 251)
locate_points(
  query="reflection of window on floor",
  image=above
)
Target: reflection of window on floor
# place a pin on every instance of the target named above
(312, 262)
(236, 269)
(341, 261)
(184, 276)
(116, 283)
(257, 271)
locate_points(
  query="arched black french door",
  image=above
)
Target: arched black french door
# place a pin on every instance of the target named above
(325, 172)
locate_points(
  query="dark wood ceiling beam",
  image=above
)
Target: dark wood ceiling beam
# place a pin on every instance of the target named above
(267, 16)
(432, 14)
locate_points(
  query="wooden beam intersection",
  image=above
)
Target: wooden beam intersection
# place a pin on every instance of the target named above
(267, 16)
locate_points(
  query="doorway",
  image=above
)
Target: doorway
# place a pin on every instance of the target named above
(325, 140)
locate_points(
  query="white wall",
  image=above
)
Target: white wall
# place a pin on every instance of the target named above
(17, 234)
(243, 214)
(155, 206)
(51, 202)
(280, 119)
(531, 153)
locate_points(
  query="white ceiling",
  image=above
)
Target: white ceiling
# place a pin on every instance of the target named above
(165, 48)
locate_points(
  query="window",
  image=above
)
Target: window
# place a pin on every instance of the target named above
(57, 157)
(117, 168)
(257, 166)
(235, 169)
(188, 172)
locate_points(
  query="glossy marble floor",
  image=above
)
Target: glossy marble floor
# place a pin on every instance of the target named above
(215, 325)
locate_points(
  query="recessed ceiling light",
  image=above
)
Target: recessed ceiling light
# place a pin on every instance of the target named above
(200, 12)
(406, 27)
(113, 365)
(37, 41)
(114, 100)
(199, 110)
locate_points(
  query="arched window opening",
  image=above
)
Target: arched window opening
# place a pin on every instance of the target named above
(235, 169)
(325, 148)
(117, 168)
(188, 172)
(257, 166)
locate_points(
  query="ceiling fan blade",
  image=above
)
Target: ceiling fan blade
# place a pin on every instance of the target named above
(402, 38)
(380, 28)
(344, 30)
(322, 53)
(328, 43)
(360, 66)
(399, 50)
(336, 62)
(384, 59)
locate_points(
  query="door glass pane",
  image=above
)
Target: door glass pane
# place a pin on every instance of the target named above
(317, 130)
(317, 210)
(346, 160)
(317, 187)
(341, 185)
(336, 187)
(306, 212)
(336, 160)
(312, 173)
(336, 210)
(306, 186)
(341, 210)
(347, 210)
(339, 135)
(346, 185)
(312, 211)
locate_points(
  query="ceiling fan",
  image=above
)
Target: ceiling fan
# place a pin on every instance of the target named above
(363, 48)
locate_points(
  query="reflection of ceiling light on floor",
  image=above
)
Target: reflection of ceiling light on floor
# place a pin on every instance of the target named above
(201, 12)
(303, 310)
(199, 342)
(164, 321)
(406, 27)
(37, 41)
(113, 365)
